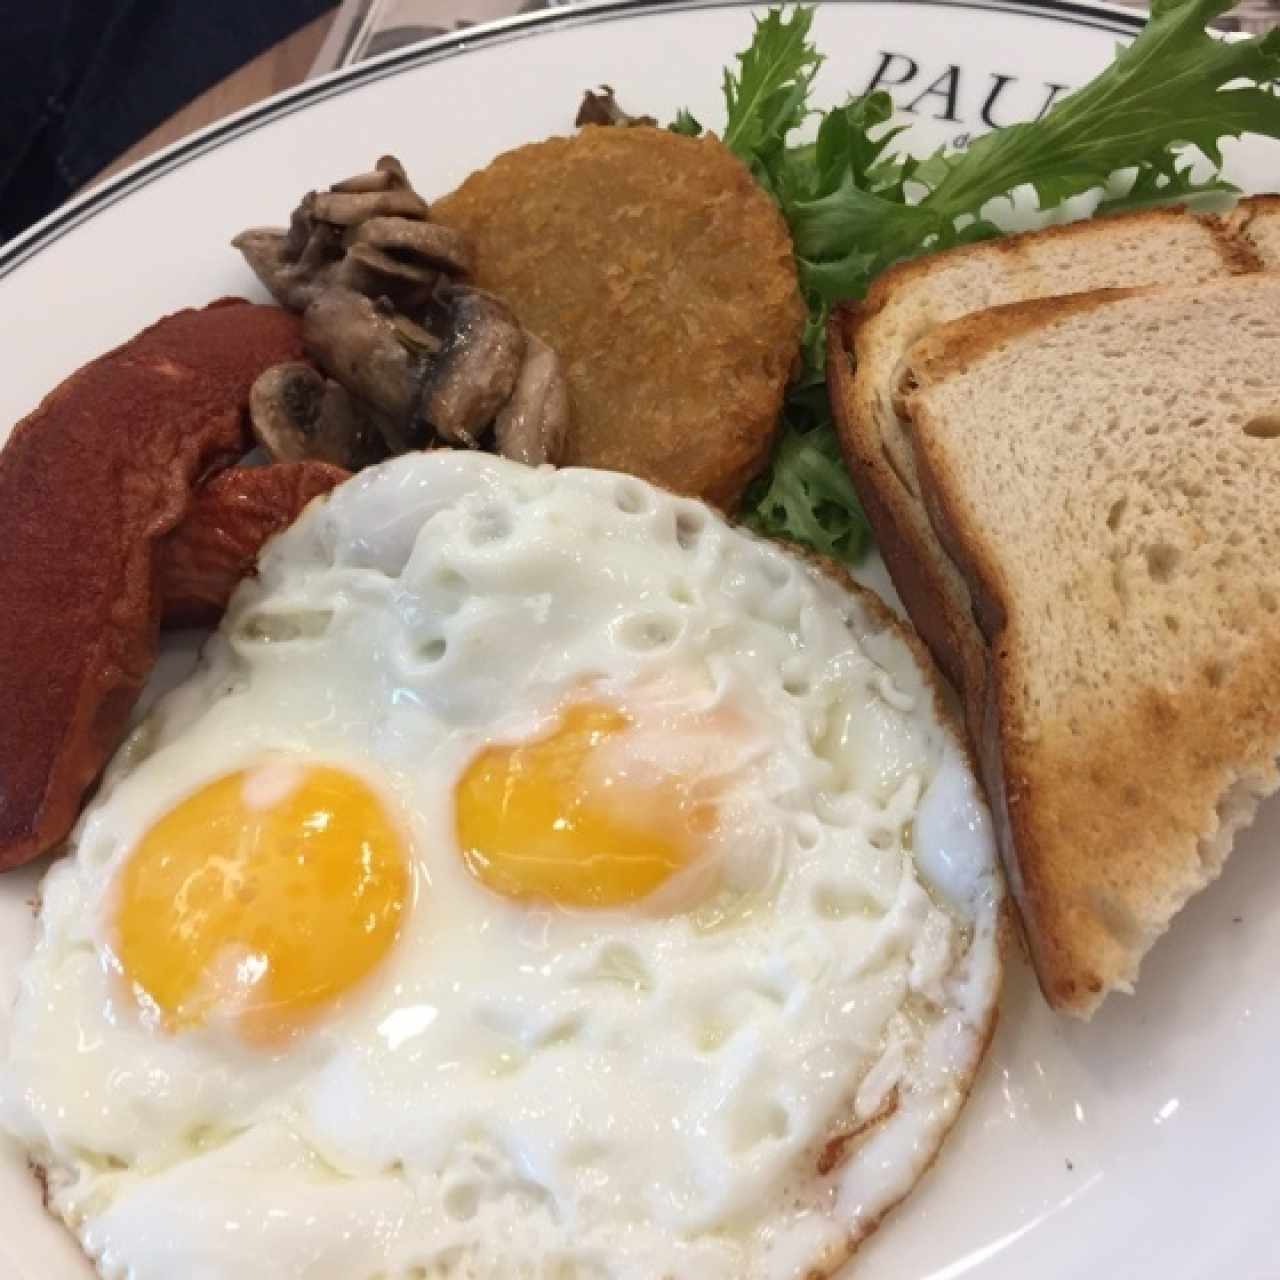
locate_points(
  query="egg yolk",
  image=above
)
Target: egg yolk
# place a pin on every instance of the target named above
(548, 819)
(263, 896)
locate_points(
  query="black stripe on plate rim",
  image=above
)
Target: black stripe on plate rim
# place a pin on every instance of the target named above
(53, 227)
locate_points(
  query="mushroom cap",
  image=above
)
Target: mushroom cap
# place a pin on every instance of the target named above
(475, 373)
(354, 340)
(299, 415)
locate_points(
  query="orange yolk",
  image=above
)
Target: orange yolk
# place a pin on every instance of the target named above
(546, 819)
(265, 895)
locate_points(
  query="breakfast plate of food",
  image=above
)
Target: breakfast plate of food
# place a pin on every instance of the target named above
(637, 647)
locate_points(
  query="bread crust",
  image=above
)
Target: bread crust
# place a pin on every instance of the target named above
(879, 492)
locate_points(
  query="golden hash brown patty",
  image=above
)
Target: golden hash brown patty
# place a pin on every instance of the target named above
(663, 275)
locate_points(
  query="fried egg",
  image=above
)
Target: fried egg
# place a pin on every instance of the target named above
(539, 877)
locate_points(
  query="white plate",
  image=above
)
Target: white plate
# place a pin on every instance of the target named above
(1141, 1145)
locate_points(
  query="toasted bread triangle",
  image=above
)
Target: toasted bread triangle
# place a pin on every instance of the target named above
(869, 379)
(1104, 470)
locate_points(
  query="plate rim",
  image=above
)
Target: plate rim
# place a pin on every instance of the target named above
(66, 217)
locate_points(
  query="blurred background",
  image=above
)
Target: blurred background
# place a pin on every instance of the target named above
(89, 86)
(83, 81)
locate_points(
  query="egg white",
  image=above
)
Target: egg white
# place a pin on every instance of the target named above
(521, 1089)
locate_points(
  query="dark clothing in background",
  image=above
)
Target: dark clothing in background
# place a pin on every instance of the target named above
(82, 80)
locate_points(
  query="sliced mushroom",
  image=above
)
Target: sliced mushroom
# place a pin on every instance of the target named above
(412, 357)
(312, 244)
(427, 243)
(298, 414)
(353, 339)
(347, 208)
(387, 174)
(297, 264)
(415, 337)
(534, 423)
(367, 270)
(264, 249)
(473, 376)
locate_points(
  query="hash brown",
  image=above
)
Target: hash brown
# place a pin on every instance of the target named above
(663, 276)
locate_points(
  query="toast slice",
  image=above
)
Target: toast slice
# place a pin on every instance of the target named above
(1121, 544)
(868, 343)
